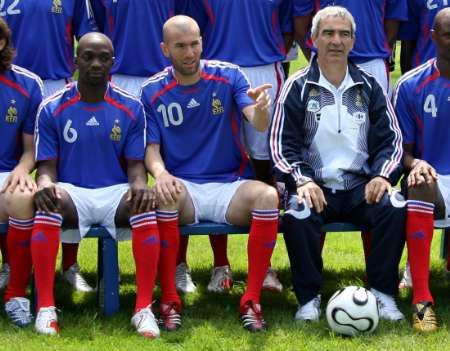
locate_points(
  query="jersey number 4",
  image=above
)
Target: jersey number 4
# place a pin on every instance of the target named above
(11, 9)
(430, 105)
(172, 114)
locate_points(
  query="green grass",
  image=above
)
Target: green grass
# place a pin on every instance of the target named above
(210, 322)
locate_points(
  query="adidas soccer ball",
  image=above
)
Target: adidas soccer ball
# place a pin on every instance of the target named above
(352, 310)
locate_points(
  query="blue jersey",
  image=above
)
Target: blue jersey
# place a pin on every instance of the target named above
(422, 104)
(91, 141)
(20, 96)
(369, 15)
(421, 18)
(43, 33)
(135, 28)
(198, 126)
(246, 33)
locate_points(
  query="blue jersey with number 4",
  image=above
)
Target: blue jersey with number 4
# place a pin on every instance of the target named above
(198, 126)
(91, 141)
(422, 104)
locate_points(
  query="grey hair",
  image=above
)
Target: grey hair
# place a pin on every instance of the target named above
(332, 11)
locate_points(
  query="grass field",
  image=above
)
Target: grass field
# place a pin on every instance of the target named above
(210, 322)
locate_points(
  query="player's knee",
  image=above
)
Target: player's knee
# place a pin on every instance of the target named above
(19, 203)
(267, 198)
(423, 192)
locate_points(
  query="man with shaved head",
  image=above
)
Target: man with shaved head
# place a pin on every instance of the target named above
(422, 101)
(194, 110)
(102, 128)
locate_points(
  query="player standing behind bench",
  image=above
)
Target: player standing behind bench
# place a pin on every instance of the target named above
(422, 105)
(43, 33)
(194, 111)
(96, 125)
(20, 96)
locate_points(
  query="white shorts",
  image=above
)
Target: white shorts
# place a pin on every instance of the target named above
(211, 200)
(378, 68)
(94, 207)
(132, 84)
(292, 54)
(257, 143)
(52, 86)
(444, 188)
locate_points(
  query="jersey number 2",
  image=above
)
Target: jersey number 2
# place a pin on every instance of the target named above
(431, 5)
(172, 114)
(11, 9)
(430, 105)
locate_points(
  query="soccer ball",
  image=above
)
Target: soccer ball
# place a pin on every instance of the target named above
(352, 310)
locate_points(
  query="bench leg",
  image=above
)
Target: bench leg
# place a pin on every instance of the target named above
(444, 244)
(108, 276)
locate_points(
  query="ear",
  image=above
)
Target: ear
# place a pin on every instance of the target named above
(2, 44)
(164, 49)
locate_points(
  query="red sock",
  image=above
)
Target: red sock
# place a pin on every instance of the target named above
(19, 235)
(419, 233)
(69, 255)
(169, 234)
(4, 248)
(44, 249)
(219, 248)
(182, 249)
(367, 244)
(261, 242)
(145, 242)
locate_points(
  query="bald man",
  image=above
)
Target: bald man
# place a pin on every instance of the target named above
(96, 125)
(422, 105)
(194, 110)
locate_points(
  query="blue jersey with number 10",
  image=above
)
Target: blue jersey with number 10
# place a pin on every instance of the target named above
(198, 126)
(91, 141)
(422, 105)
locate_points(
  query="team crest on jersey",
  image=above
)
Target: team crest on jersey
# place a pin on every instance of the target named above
(116, 132)
(358, 100)
(11, 114)
(217, 107)
(359, 117)
(313, 106)
(57, 6)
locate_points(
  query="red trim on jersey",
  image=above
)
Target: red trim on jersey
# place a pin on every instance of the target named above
(237, 138)
(68, 103)
(117, 104)
(429, 79)
(172, 84)
(69, 43)
(13, 85)
(207, 76)
(92, 109)
(209, 11)
(278, 75)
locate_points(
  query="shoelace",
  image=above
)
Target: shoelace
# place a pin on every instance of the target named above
(19, 312)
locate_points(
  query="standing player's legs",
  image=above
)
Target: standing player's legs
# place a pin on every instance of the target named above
(51, 86)
(45, 240)
(255, 203)
(131, 84)
(380, 70)
(146, 247)
(19, 206)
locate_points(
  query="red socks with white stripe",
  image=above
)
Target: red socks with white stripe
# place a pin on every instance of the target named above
(261, 242)
(18, 241)
(145, 243)
(419, 233)
(44, 249)
(169, 234)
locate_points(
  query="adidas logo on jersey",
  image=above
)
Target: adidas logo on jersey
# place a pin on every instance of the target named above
(92, 122)
(193, 103)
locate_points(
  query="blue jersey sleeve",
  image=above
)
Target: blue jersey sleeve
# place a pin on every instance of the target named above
(303, 7)
(152, 129)
(135, 142)
(240, 88)
(83, 19)
(405, 114)
(36, 95)
(285, 12)
(396, 10)
(46, 135)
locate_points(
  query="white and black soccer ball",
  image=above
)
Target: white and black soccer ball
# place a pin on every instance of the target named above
(352, 310)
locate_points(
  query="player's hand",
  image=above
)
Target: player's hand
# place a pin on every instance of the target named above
(261, 96)
(47, 197)
(313, 196)
(19, 178)
(375, 189)
(142, 198)
(421, 173)
(168, 188)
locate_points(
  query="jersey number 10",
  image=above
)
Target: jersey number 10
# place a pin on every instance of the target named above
(172, 114)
